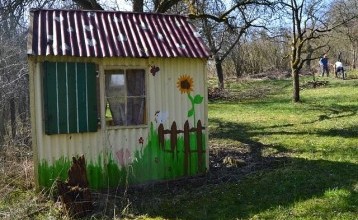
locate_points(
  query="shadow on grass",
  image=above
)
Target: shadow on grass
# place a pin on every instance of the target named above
(302, 180)
(253, 194)
(265, 187)
(328, 113)
(242, 133)
(335, 111)
(350, 78)
(351, 132)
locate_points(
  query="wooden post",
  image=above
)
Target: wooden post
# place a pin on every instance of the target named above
(186, 147)
(161, 136)
(173, 137)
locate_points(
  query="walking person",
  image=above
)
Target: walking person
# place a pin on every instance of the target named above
(323, 62)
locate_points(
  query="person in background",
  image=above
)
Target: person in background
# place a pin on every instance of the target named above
(323, 62)
(338, 68)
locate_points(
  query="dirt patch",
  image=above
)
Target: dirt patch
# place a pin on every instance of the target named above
(314, 84)
(230, 163)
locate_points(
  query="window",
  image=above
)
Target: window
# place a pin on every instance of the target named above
(125, 97)
(70, 100)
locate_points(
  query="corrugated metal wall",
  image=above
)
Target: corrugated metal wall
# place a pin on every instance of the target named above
(106, 144)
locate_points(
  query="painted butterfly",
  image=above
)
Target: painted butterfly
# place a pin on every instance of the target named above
(154, 70)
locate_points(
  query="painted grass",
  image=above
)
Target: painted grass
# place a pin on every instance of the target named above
(315, 143)
(151, 163)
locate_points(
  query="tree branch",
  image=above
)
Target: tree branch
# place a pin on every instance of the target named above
(88, 4)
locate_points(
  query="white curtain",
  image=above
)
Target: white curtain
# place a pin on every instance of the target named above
(125, 92)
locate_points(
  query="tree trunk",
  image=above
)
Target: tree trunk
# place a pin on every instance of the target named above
(354, 59)
(2, 126)
(296, 85)
(219, 72)
(22, 109)
(238, 73)
(238, 68)
(309, 56)
(138, 5)
(13, 117)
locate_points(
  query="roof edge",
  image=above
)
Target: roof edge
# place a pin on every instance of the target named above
(106, 11)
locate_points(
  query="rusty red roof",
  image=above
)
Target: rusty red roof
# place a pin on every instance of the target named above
(113, 34)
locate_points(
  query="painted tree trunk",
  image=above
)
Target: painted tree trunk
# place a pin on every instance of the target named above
(74, 193)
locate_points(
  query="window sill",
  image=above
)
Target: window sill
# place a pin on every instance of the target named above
(118, 127)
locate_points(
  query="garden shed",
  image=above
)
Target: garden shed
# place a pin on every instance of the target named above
(126, 90)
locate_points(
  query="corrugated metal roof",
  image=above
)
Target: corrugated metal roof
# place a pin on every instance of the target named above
(113, 34)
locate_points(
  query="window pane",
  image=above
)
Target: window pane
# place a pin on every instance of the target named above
(115, 86)
(115, 93)
(135, 82)
(125, 95)
(116, 80)
(117, 110)
(135, 111)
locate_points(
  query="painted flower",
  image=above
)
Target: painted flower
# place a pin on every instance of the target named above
(124, 157)
(185, 84)
(141, 140)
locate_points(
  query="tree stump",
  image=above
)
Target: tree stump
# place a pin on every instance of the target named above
(74, 193)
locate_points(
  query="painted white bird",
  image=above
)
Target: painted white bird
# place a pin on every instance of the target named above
(161, 117)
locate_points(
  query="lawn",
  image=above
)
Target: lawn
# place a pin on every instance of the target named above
(305, 156)
(316, 140)
(286, 161)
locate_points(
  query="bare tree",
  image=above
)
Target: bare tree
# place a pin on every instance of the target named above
(310, 26)
(309, 23)
(159, 6)
(14, 94)
(259, 52)
(88, 4)
(343, 11)
(224, 26)
(13, 80)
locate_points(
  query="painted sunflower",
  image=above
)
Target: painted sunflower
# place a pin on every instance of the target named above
(185, 84)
